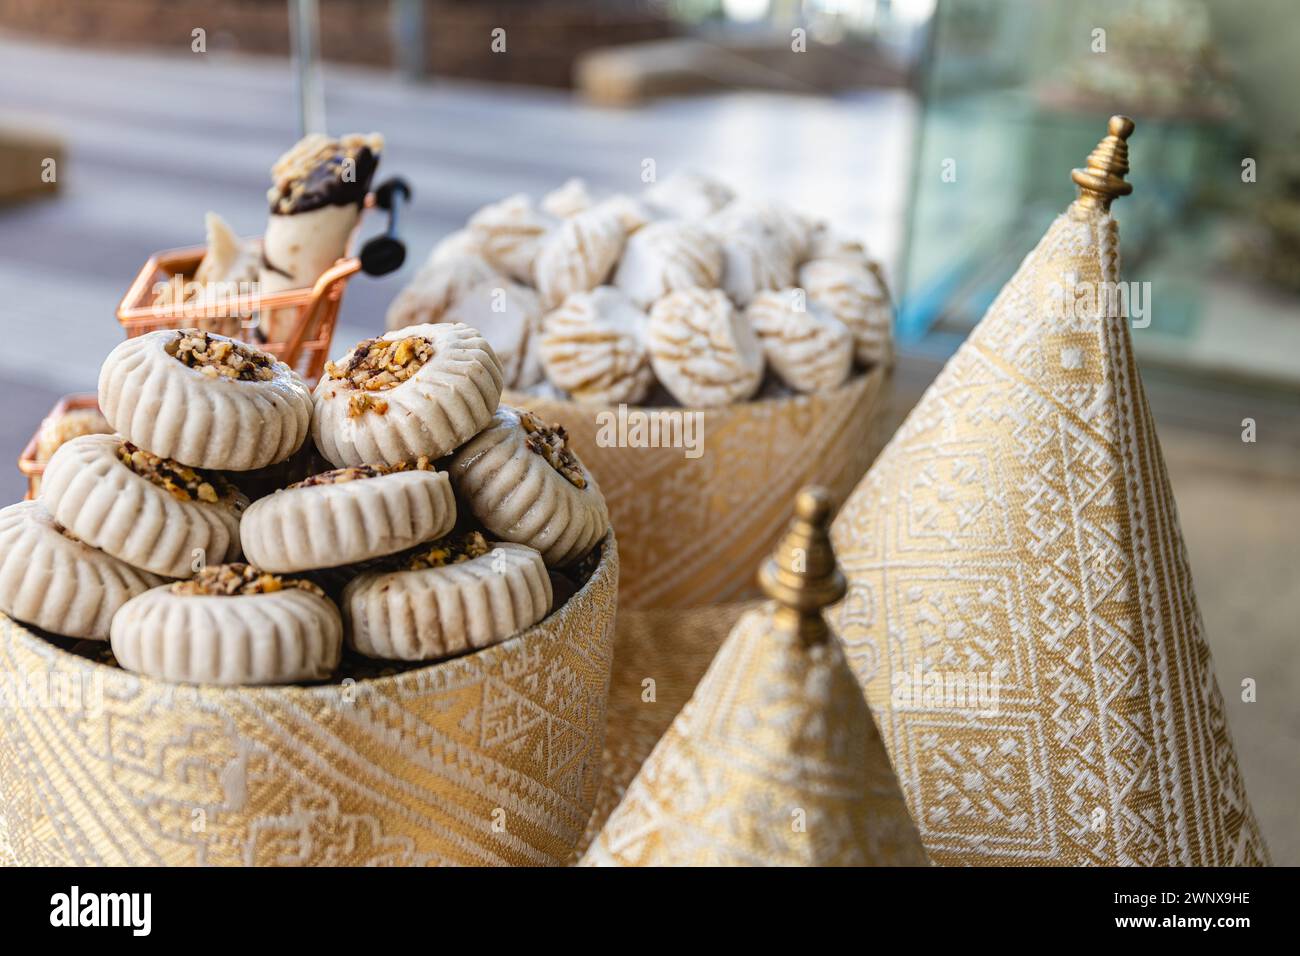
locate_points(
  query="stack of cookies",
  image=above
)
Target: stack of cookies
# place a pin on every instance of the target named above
(684, 295)
(143, 537)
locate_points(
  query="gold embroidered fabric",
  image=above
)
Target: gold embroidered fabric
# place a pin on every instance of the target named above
(489, 758)
(774, 761)
(659, 658)
(694, 529)
(1019, 535)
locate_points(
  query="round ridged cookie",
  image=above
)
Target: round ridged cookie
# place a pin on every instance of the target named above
(666, 256)
(204, 400)
(346, 516)
(703, 350)
(808, 348)
(525, 485)
(50, 580)
(232, 625)
(593, 347)
(425, 609)
(147, 511)
(445, 388)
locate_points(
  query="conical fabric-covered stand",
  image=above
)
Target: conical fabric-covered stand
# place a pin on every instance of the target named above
(775, 760)
(1020, 610)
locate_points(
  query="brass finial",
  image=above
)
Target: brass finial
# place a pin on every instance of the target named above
(802, 575)
(1103, 179)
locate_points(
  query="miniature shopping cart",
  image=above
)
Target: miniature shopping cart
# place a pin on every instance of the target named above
(306, 315)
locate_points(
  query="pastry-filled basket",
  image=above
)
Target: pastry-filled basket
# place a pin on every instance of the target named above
(488, 758)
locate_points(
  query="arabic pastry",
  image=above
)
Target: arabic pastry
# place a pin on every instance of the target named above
(230, 624)
(317, 195)
(348, 515)
(808, 348)
(438, 285)
(459, 243)
(826, 243)
(53, 581)
(855, 293)
(759, 250)
(508, 315)
(568, 200)
(150, 512)
(418, 391)
(666, 256)
(524, 484)
(510, 233)
(702, 350)
(580, 254)
(204, 400)
(454, 595)
(61, 428)
(688, 195)
(593, 347)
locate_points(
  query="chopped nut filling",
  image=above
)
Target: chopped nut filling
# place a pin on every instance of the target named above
(453, 549)
(378, 364)
(184, 483)
(552, 444)
(339, 475)
(219, 358)
(230, 580)
(363, 402)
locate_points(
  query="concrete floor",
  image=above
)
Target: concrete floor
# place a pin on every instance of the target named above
(156, 141)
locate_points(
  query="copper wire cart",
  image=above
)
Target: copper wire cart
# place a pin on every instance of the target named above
(305, 349)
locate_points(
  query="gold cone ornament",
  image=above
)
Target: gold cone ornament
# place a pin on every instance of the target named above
(1020, 610)
(775, 760)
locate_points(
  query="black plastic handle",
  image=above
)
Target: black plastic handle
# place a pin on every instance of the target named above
(385, 253)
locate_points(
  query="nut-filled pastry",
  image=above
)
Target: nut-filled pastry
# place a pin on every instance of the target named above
(525, 485)
(230, 624)
(151, 512)
(348, 515)
(52, 580)
(418, 391)
(456, 594)
(204, 400)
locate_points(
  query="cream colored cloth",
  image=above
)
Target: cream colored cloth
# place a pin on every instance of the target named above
(1019, 535)
(774, 761)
